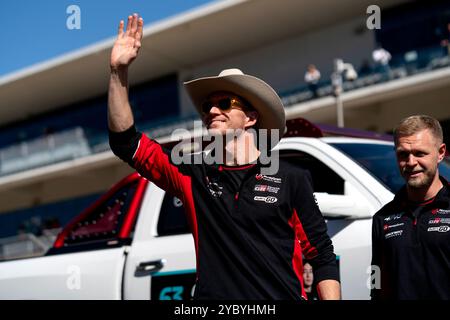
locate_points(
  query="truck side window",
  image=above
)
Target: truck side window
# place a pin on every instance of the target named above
(172, 219)
(104, 221)
(323, 177)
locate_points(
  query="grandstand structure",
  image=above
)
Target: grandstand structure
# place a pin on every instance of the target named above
(54, 154)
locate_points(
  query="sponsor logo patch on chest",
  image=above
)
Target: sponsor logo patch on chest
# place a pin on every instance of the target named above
(393, 217)
(214, 189)
(260, 177)
(265, 199)
(439, 229)
(393, 234)
(266, 188)
(440, 211)
(439, 220)
(390, 226)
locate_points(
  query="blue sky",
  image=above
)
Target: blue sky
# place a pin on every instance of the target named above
(34, 31)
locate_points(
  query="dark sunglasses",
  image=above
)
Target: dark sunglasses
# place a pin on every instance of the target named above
(223, 104)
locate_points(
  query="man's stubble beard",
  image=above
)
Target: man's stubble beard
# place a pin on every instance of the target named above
(425, 182)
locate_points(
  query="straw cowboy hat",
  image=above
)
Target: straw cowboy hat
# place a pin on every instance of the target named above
(259, 94)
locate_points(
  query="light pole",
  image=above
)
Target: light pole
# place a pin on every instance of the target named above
(341, 69)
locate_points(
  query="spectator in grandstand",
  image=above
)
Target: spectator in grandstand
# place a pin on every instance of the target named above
(350, 74)
(312, 77)
(365, 68)
(382, 57)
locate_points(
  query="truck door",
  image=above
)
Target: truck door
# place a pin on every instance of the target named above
(347, 208)
(161, 261)
(88, 257)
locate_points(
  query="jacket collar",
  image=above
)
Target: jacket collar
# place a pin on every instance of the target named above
(441, 200)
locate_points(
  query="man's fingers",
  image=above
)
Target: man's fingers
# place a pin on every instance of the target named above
(134, 24)
(120, 28)
(130, 18)
(140, 28)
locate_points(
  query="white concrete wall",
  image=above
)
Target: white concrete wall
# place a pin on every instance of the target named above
(384, 116)
(284, 63)
(434, 103)
(63, 185)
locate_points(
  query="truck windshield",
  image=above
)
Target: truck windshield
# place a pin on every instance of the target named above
(380, 161)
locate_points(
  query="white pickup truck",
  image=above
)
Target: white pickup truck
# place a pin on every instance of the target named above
(134, 242)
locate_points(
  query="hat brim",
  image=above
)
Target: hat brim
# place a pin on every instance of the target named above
(258, 93)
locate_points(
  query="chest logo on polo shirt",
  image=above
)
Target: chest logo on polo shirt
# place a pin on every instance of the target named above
(440, 211)
(214, 189)
(439, 229)
(266, 199)
(266, 188)
(267, 178)
(439, 220)
(393, 217)
(393, 234)
(390, 226)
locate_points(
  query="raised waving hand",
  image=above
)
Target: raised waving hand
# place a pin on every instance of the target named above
(128, 42)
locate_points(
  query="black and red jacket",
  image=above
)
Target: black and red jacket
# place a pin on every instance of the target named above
(250, 230)
(411, 246)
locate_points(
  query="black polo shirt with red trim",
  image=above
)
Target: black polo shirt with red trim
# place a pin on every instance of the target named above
(250, 230)
(411, 246)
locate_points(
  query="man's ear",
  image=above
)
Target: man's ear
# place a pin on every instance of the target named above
(252, 118)
(441, 152)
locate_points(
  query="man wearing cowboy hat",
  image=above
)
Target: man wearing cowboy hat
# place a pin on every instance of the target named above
(250, 229)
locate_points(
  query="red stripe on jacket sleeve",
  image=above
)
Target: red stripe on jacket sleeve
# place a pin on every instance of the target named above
(297, 261)
(153, 163)
(309, 251)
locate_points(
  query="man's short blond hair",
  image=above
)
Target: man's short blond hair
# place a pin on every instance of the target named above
(413, 124)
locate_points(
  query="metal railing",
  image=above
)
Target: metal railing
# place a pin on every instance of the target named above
(66, 145)
(403, 65)
(155, 129)
(27, 245)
